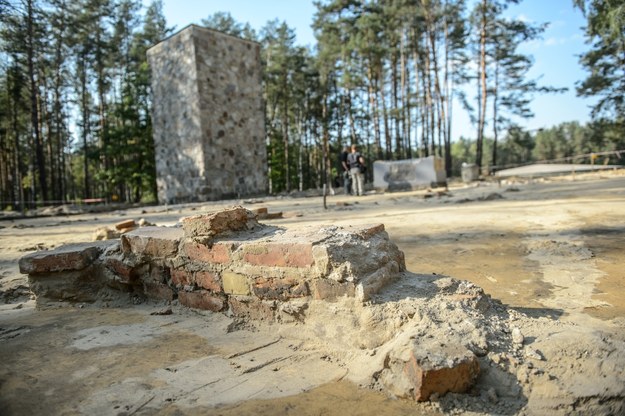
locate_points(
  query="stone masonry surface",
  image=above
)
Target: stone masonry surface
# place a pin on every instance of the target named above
(208, 116)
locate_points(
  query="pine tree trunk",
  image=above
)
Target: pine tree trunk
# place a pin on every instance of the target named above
(482, 89)
(39, 156)
(85, 121)
(405, 101)
(352, 122)
(397, 154)
(495, 103)
(374, 111)
(418, 109)
(285, 135)
(428, 97)
(387, 134)
(448, 103)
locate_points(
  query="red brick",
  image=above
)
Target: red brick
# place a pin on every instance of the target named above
(279, 289)
(209, 225)
(126, 224)
(202, 299)
(181, 277)
(326, 289)
(426, 379)
(159, 291)
(66, 258)
(125, 272)
(279, 255)
(217, 253)
(208, 280)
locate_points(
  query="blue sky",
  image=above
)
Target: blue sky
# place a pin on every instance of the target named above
(555, 55)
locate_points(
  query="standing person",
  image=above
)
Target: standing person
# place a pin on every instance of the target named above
(347, 180)
(356, 164)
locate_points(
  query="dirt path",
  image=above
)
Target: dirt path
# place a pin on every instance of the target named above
(549, 250)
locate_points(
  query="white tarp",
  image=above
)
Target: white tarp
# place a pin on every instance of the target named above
(405, 175)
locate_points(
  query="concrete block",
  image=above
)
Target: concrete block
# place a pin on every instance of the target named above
(405, 175)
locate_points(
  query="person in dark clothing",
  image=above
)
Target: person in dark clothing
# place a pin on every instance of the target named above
(347, 180)
(356, 166)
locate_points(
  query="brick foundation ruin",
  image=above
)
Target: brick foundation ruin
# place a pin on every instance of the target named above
(228, 262)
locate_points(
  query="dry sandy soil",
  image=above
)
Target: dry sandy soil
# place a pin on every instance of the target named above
(551, 250)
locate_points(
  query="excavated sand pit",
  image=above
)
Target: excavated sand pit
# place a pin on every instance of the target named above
(555, 344)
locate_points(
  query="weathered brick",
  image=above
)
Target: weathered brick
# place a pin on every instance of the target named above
(202, 299)
(160, 291)
(279, 254)
(126, 272)
(66, 258)
(217, 253)
(180, 277)
(259, 211)
(208, 280)
(235, 284)
(456, 376)
(254, 309)
(73, 286)
(159, 274)
(209, 225)
(279, 289)
(125, 224)
(366, 231)
(330, 290)
(155, 242)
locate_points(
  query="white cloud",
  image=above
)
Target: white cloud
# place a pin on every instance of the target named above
(557, 23)
(553, 41)
(523, 18)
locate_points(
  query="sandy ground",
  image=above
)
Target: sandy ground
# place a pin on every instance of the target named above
(550, 250)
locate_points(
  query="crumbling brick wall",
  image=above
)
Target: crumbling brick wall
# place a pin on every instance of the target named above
(223, 261)
(227, 262)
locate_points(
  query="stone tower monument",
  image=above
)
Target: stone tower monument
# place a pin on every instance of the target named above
(208, 118)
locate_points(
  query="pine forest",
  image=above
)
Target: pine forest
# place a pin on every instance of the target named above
(75, 99)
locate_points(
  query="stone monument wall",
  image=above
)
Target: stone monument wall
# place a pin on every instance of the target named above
(410, 174)
(208, 119)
